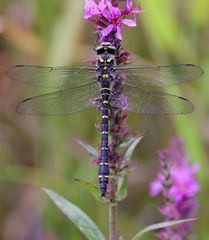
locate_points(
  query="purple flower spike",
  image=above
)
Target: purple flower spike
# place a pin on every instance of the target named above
(177, 182)
(109, 18)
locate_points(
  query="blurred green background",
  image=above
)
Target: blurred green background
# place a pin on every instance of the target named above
(42, 151)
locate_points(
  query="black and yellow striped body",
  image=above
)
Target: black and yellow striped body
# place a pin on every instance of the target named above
(104, 163)
(105, 72)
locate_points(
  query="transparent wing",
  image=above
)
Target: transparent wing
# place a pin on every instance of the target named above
(62, 102)
(68, 77)
(160, 76)
(150, 102)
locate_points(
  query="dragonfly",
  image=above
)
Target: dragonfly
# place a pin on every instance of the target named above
(105, 85)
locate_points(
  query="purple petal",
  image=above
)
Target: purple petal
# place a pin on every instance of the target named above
(102, 5)
(135, 10)
(129, 22)
(155, 188)
(114, 11)
(118, 33)
(107, 15)
(107, 30)
(128, 10)
(129, 4)
(90, 9)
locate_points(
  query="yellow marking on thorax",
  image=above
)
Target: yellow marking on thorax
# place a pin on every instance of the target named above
(105, 75)
(101, 60)
(109, 60)
(105, 67)
(105, 102)
(104, 116)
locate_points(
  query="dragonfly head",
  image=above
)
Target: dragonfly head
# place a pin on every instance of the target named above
(106, 47)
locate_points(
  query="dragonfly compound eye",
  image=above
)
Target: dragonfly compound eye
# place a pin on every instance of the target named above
(100, 50)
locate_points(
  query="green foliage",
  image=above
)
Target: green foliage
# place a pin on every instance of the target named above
(92, 151)
(77, 216)
(133, 144)
(158, 226)
(123, 177)
(92, 188)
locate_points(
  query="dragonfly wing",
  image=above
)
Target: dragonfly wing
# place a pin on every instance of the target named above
(52, 76)
(62, 102)
(150, 102)
(160, 76)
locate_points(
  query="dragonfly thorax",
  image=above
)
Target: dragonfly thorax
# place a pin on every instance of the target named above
(106, 67)
(106, 60)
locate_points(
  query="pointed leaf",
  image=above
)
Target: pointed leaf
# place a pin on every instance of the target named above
(130, 140)
(127, 143)
(123, 177)
(161, 225)
(122, 186)
(92, 151)
(132, 146)
(77, 216)
(92, 188)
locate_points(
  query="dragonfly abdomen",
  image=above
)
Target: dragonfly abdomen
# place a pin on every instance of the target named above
(104, 163)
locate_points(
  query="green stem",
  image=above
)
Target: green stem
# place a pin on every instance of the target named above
(113, 221)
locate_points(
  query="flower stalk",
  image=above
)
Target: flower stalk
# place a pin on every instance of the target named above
(177, 183)
(113, 221)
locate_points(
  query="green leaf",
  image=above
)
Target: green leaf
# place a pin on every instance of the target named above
(130, 140)
(92, 188)
(77, 216)
(132, 146)
(89, 148)
(160, 225)
(127, 143)
(123, 177)
(122, 186)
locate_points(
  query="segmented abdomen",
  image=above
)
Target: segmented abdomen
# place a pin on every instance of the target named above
(104, 165)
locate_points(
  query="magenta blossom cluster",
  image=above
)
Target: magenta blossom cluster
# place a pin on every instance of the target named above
(177, 182)
(109, 18)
